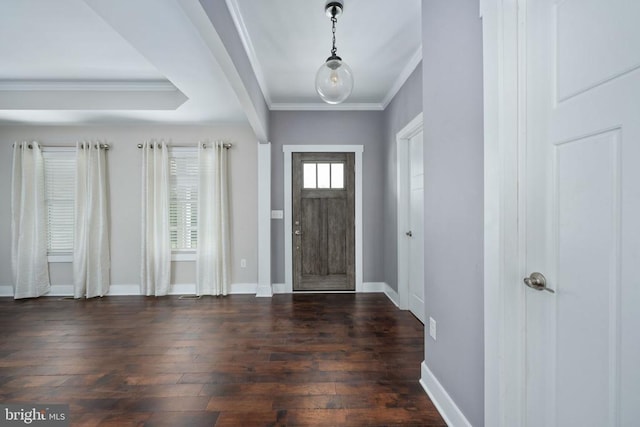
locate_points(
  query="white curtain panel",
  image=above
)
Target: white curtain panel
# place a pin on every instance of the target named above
(91, 260)
(28, 222)
(212, 260)
(155, 274)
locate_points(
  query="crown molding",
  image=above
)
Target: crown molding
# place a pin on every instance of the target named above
(320, 106)
(403, 76)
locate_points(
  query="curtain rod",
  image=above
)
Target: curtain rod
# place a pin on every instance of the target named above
(226, 145)
(105, 146)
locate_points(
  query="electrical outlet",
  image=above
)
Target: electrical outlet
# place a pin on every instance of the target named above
(432, 328)
(243, 263)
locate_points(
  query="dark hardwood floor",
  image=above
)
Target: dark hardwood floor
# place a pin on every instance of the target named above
(290, 360)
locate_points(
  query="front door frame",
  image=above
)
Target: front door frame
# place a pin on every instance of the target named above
(288, 206)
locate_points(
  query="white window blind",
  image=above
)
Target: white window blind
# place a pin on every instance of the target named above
(59, 184)
(183, 199)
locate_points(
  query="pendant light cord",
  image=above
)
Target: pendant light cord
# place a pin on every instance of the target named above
(333, 30)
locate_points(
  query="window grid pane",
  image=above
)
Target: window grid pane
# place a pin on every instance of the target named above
(337, 175)
(309, 175)
(324, 175)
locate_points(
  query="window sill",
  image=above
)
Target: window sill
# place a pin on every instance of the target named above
(60, 258)
(183, 256)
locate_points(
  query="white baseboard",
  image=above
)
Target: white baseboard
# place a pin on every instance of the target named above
(392, 295)
(56, 291)
(264, 291)
(382, 287)
(243, 288)
(124, 290)
(369, 287)
(190, 289)
(452, 415)
(60, 291)
(279, 288)
(183, 289)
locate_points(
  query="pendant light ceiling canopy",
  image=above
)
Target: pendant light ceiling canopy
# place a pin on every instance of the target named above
(334, 79)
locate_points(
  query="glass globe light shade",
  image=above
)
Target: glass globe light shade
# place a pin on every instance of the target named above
(334, 81)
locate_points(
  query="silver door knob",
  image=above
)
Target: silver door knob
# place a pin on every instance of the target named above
(298, 233)
(538, 282)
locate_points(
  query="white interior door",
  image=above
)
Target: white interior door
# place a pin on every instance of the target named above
(582, 212)
(416, 225)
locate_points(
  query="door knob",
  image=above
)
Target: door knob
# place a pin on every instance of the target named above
(538, 282)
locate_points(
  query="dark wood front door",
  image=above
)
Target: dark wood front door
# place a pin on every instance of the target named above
(323, 222)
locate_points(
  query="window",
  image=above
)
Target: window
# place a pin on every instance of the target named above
(59, 187)
(183, 199)
(323, 175)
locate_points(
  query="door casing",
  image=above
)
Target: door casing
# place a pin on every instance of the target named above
(288, 206)
(402, 147)
(504, 264)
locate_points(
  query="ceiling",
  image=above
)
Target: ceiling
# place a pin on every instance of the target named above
(96, 61)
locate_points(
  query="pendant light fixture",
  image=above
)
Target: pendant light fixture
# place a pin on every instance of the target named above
(334, 79)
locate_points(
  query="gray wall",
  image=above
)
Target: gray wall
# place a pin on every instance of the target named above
(404, 107)
(340, 128)
(453, 164)
(124, 180)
